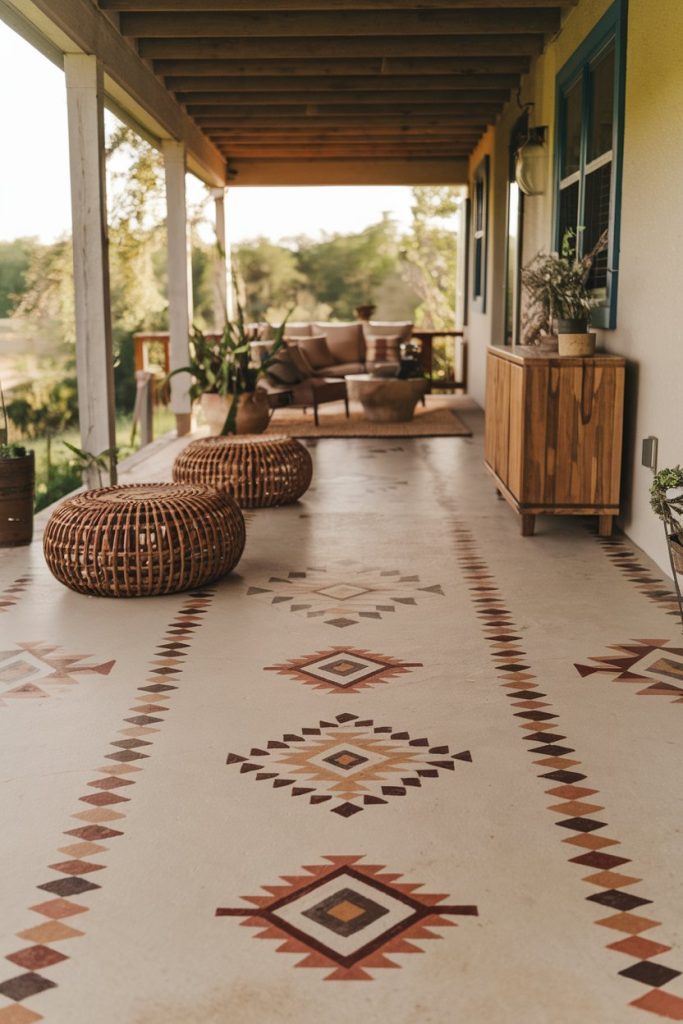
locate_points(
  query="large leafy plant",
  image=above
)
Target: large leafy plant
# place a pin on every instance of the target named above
(556, 286)
(224, 365)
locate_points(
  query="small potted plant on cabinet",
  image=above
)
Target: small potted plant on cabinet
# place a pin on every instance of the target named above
(558, 299)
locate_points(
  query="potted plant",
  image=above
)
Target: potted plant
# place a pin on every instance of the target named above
(17, 482)
(558, 300)
(225, 377)
(669, 508)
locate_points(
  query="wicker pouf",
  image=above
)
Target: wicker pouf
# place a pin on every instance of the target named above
(143, 539)
(257, 471)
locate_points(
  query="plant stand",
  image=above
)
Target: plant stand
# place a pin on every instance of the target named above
(676, 573)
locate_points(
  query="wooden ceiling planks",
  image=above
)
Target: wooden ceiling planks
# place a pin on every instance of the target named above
(339, 80)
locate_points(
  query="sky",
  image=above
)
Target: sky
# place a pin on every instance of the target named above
(34, 169)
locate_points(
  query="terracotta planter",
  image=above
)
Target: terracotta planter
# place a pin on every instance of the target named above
(576, 344)
(253, 412)
(365, 312)
(215, 409)
(17, 480)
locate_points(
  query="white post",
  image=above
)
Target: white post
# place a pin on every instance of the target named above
(94, 362)
(179, 281)
(222, 285)
(460, 264)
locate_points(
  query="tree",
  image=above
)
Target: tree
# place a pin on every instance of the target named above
(15, 258)
(429, 256)
(269, 278)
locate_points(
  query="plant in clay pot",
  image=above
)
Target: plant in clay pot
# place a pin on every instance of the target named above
(558, 299)
(669, 508)
(225, 376)
(17, 489)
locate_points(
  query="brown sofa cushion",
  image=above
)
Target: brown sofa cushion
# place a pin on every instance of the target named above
(345, 341)
(341, 369)
(288, 368)
(298, 330)
(383, 348)
(316, 350)
(379, 328)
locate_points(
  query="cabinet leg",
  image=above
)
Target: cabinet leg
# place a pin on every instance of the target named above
(528, 524)
(605, 526)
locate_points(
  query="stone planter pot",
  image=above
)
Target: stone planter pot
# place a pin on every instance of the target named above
(17, 481)
(253, 412)
(581, 344)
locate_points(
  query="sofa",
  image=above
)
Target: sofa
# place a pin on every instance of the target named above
(318, 356)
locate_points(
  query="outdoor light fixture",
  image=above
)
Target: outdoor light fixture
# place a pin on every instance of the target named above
(531, 163)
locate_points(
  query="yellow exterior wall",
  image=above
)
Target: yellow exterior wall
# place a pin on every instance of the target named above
(650, 308)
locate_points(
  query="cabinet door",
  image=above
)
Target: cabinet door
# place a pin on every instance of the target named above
(573, 436)
(504, 408)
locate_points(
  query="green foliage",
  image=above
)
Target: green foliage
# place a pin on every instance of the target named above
(12, 451)
(668, 508)
(269, 277)
(556, 287)
(429, 256)
(15, 258)
(84, 461)
(64, 477)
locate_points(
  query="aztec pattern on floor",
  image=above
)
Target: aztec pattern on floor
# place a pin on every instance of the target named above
(402, 745)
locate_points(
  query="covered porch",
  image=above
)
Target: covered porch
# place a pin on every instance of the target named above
(401, 746)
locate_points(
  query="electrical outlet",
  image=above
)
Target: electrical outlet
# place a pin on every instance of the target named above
(649, 455)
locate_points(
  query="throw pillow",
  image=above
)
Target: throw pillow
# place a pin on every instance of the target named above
(316, 350)
(284, 370)
(300, 360)
(383, 348)
(345, 341)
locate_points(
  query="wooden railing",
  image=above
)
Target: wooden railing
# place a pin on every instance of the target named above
(458, 382)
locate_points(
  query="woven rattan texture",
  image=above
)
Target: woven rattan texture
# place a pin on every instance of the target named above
(257, 471)
(143, 539)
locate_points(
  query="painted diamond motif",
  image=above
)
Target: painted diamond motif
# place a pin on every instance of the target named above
(349, 763)
(345, 593)
(37, 669)
(347, 917)
(343, 669)
(654, 665)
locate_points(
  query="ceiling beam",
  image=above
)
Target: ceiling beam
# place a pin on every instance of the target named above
(375, 67)
(181, 6)
(337, 83)
(335, 171)
(322, 47)
(308, 97)
(405, 110)
(356, 121)
(302, 24)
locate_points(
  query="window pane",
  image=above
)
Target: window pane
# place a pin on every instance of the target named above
(569, 211)
(602, 105)
(596, 216)
(572, 130)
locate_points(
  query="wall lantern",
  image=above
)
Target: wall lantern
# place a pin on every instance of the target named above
(531, 163)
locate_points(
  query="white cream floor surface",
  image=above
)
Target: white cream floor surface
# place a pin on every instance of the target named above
(404, 766)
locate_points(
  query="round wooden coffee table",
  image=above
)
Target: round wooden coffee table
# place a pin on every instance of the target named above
(385, 399)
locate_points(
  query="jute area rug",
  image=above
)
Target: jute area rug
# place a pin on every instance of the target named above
(437, 419)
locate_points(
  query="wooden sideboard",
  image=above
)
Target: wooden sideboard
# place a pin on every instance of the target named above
(554, 433)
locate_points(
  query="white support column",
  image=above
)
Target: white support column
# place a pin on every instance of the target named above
(94, 361)
(179, 280)
(460, 264)
(222, 281)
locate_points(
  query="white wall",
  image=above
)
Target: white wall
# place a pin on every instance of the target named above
(650, 306)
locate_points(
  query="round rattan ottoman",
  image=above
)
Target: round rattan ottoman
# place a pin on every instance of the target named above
(257, 471)
(140, 540)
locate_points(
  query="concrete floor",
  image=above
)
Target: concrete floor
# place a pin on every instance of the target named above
(402, 766)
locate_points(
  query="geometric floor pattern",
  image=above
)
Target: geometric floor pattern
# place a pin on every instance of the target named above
(347, 763)
(347, 918)
(345, 593)
(654, 665)
(38, 670)
(578, 815)
(343, 670)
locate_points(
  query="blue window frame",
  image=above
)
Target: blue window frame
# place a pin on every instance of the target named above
(480, 231)
(589, 153)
